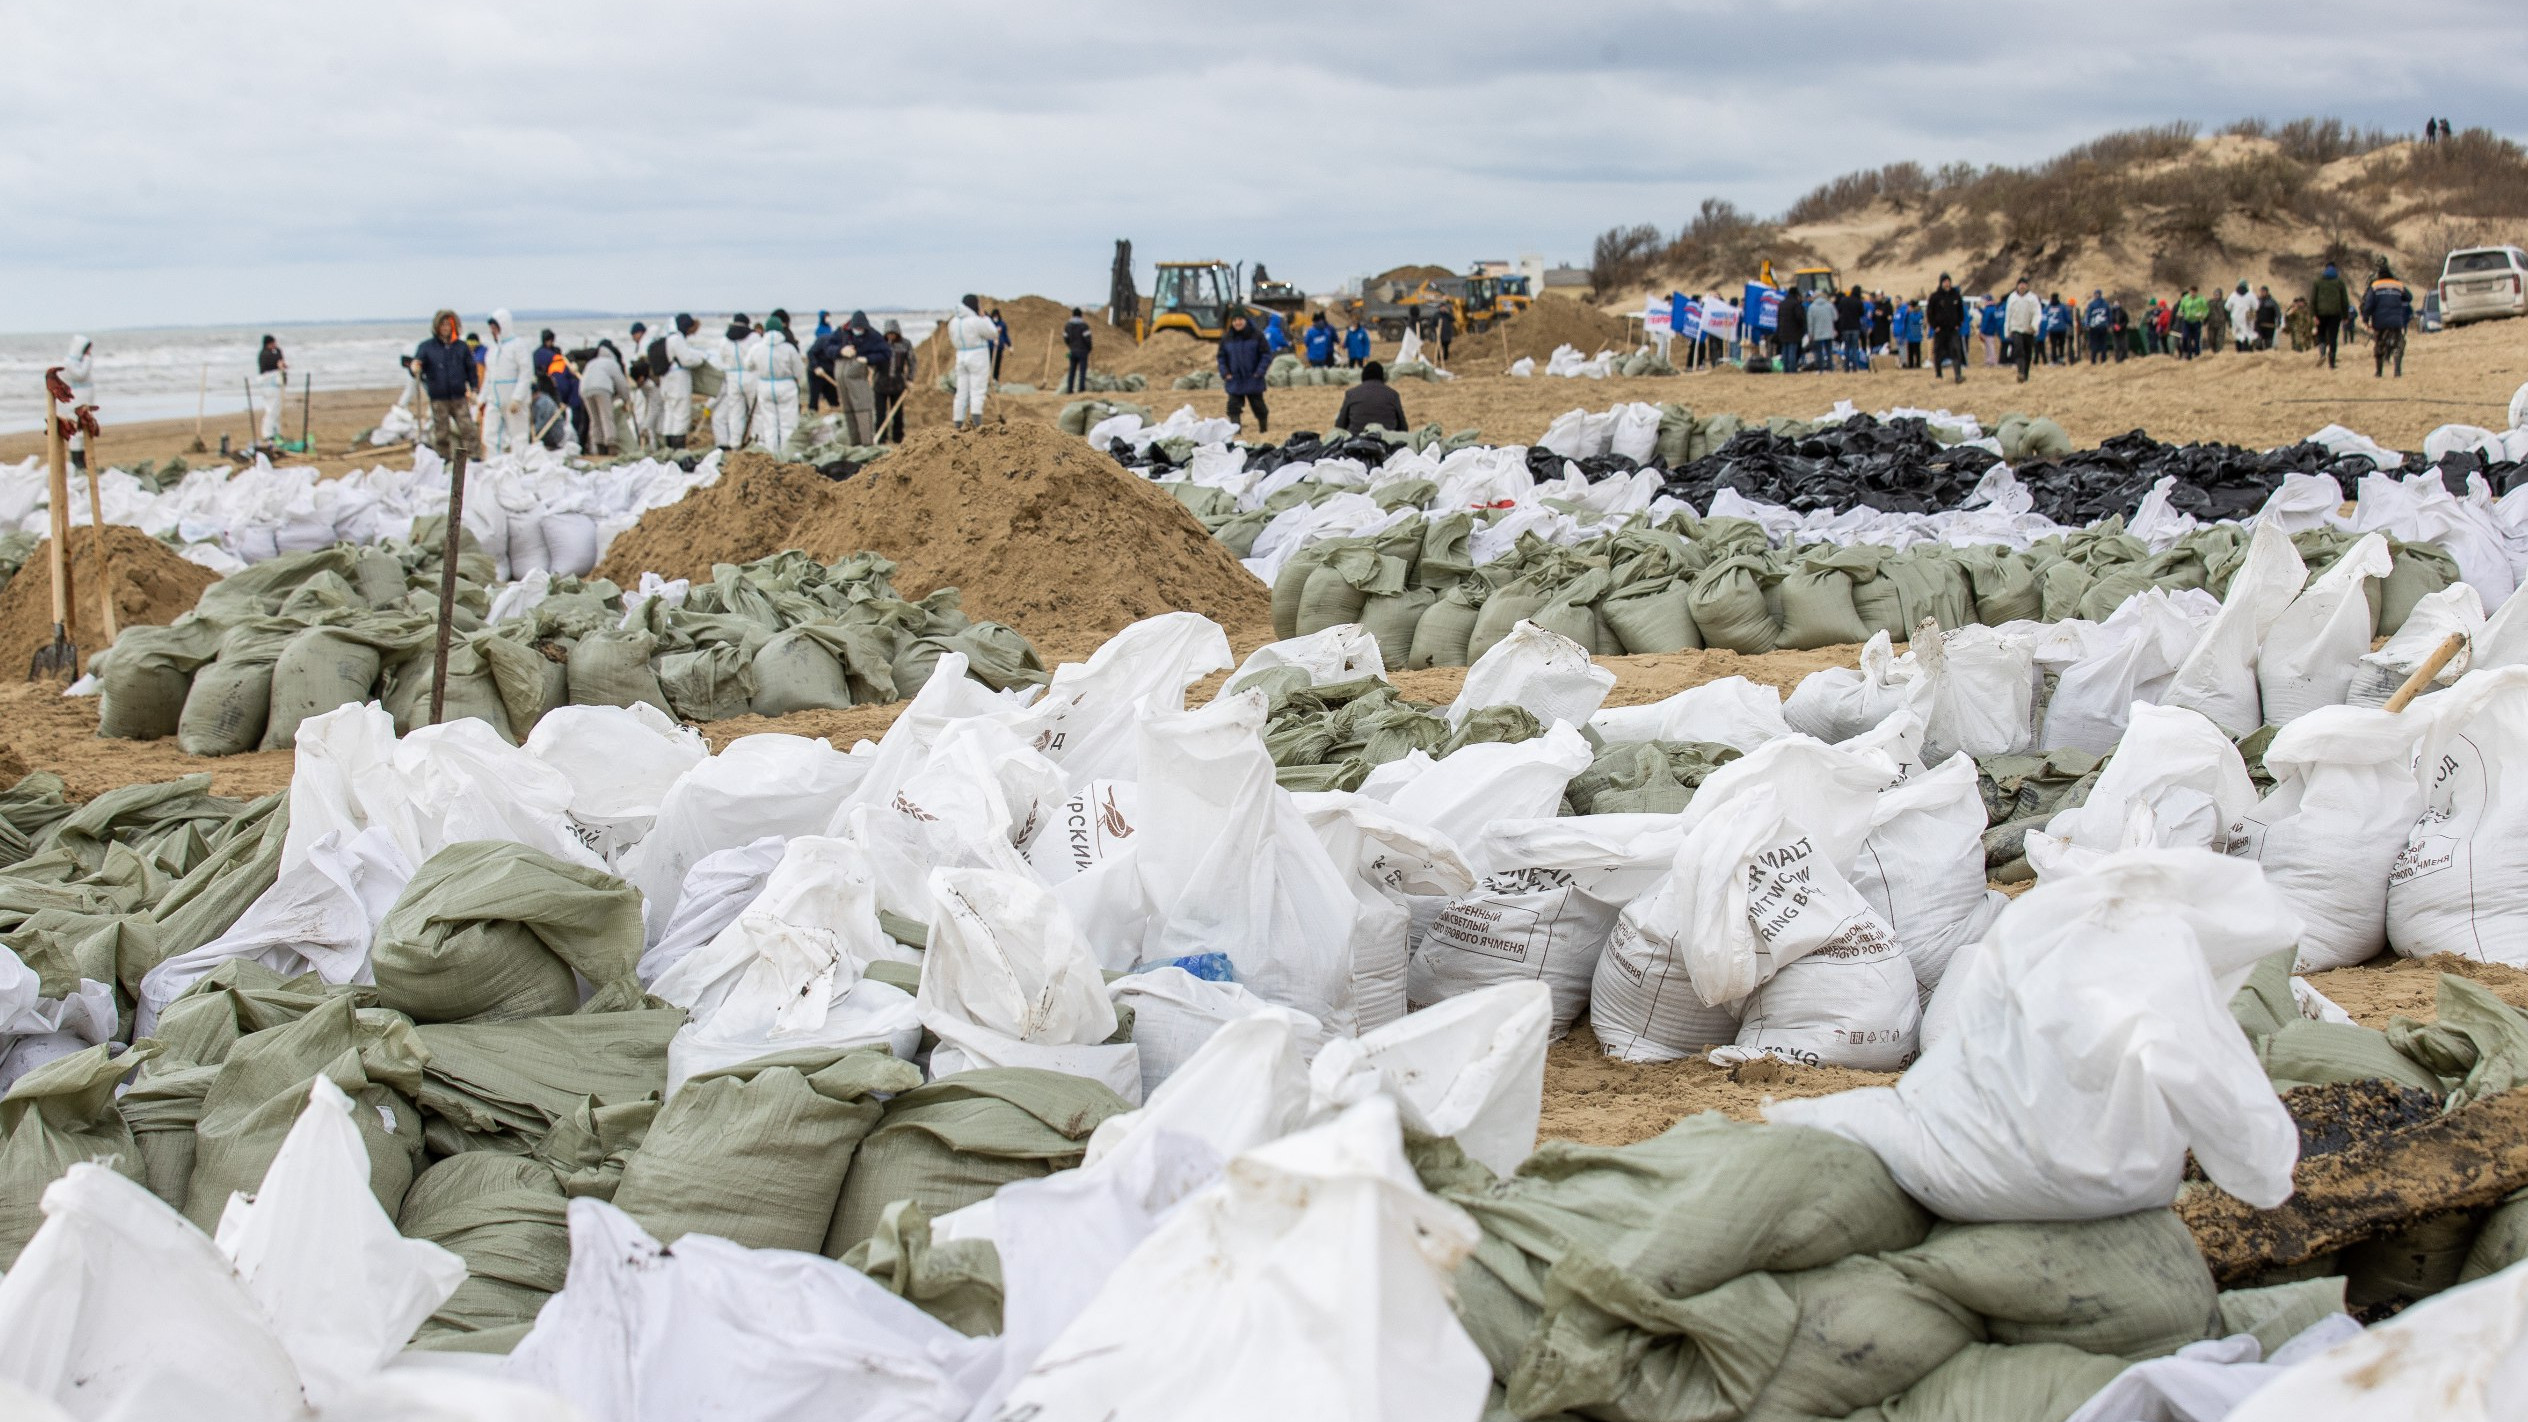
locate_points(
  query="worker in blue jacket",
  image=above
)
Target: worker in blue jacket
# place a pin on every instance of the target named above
(1910, 327)
(1988, 326)
(1318, 341)
(1356, 344)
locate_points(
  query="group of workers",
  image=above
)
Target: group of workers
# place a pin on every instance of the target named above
(1829, 330)
(492, 393)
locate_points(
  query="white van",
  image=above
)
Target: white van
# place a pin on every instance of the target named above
(2480, 282)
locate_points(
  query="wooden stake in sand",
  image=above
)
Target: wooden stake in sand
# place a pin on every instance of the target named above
(447, 584)
(61, 658)
(201, 403)
(96, 525)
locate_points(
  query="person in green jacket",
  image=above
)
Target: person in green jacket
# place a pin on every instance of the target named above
(2330, 300)
(2192, 311)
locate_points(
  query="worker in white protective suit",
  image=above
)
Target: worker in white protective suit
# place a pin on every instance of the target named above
(775, 368)
(675, 383)
(508, 389)
(79, 372)
(733, 409)
(972, 335)
(272, 380)
(2241, 306)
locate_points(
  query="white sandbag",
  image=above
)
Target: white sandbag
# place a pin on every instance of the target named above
(441, 785)
(2331, 831)
(786, 974)
(119, 1307)
(1851, 1004)
(719, 887)
(1084, 721)
(1984, 687)
(570, 544)
(641, 1333)
(1546, 672)
(1175, 1013)
(1922, 867)
(1471, 1068)
(1732, 711)
(1342, 652)
(321, 1259)
(1091, 824)
(1482, 783)
(2455, 610)
(1549, 897)
(2218, 678)
(2210, 1378)
(1635, 433)
(2460, 884)
(2136, 652)
(1388, 862)
(319, 916)
(1007, 982)
(2312, 650)
(1311, 1282)
(2458, 1356)
(2176, 765)
(1568, 435)
(757, 785)
(1838, 703)
(1226, 864)
(620, 761)
(2078, 1051)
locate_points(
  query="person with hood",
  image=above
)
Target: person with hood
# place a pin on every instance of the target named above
(2241, 308)
(1355, 344)
(675, 382)
(272, 380)
(732, 409)
(892, 384)
(508, 388)
(603, 387)
(824, 387)
(1988, 326)
(445, 366)
(1908, 333)
(2268, 318)
(1000, 343)
(79, 372)
(1446, 324)
(824, 325)
(1946, 312)
(1276, 336)
(863, 358)
(976, 340)
(2093, 325)
(2330, 301)
(1242, 360)
(1076, 341)
(1852, 329)
(774, 369)
(2387, 308)
(2023, 321)
(1372, 402)
(570, 412)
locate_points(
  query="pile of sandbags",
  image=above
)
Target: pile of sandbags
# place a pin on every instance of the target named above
(295, 637)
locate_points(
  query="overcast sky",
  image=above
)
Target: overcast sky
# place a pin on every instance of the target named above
(252, 162)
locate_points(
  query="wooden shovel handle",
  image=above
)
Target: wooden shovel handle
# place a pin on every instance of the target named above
(2431, 667)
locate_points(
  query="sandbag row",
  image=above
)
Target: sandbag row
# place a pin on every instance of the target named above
(296, 637)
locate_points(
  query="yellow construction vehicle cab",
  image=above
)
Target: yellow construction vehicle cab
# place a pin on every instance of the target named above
(1193, 297)
(1810, 280)
(1491, 298)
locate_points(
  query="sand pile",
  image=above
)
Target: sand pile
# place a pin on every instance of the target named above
(152, 586)
(745, 516)
(1552, 321)
(1413, 272)
(1039, 531)
(1163, 357)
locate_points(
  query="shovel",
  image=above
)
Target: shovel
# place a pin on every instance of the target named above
(61, 659)
(87, 417)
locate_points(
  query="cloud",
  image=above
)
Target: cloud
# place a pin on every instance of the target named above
(264, 161)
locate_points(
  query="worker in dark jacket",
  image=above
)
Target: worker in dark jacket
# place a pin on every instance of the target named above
(823, 387)
(449, 377)
(1947, 312)
(1243, 359)
(1445, 324)
(1372, 402)
(2387, 308)
(1790, 327)
(1076, 341)
(2330, 301)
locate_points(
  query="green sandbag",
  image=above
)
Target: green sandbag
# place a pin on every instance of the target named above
(1445, 560)
(709, 683)
(2411, 1264)
(1391, 619)
(998, 656)
(1992, 1382)
(491, 931)
(503, 1085)
(2062, 589)
(322, 668)
(1486, 725)
(958, 1282)
(1292, 582)
(162, 1110)
(758, 1153)
(2134, 1286)
(1447, 628)
(1817, 606)
(230, 702)
(954, 1142)
(2418, 571)
(2477, 1040)
(54, 1117)
(471, 692)
(1645, 777)
(1728, 605)
(1342, 584)
(1863, 1333)
(2502, 1242)
(798, 671)
(2005, 590)
(379, 576)
(2305, 1053)
(1676, 432)
(528, 682)
(210, 898)
(145, 675)
(1237, 532)
(1930, 584)
(1514, 602)
(262, 1089)
(1652, 618)
(2278, 1313)
(505, 1216)
(611, 667)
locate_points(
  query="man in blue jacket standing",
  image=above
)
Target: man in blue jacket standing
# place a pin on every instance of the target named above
(1243, 359)
(449, 377)
(1318, 341)
(1356, 344)
(2095, 320)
